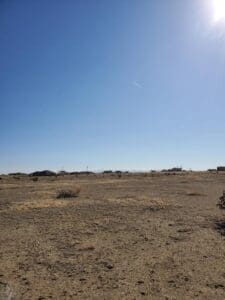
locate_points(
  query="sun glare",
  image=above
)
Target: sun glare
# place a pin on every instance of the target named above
(218, 10)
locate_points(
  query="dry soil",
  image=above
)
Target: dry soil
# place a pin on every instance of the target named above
(141, 236)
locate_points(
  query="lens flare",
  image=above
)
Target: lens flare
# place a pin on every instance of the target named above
(218, 10)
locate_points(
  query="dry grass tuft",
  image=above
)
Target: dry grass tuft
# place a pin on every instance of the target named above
(150, 203)
(156, 204)
(40, 204)
(69, 193)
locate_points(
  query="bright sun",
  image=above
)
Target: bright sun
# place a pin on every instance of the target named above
(219, 10)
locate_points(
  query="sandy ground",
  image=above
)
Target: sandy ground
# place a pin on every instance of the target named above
(135, 237)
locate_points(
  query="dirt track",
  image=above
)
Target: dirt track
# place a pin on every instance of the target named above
(135, 237)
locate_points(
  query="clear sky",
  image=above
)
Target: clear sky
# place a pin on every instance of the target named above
(122, 84)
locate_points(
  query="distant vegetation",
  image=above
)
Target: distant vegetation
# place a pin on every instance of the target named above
(173, 170)
(17, 174)
(221, 169)
(212, 170)
(117, 172)
(107, 172)
(43, 173)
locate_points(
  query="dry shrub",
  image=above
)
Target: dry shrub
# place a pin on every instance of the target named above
(220, 226)
(156, 204)
(221, 203)
(69, 193)
(35, 179)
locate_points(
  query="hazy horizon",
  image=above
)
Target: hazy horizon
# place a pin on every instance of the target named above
(99, 170)
(122, 85)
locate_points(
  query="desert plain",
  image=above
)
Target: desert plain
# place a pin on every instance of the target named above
(135, 236)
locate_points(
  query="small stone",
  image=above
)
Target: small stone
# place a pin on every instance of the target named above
(108, 265)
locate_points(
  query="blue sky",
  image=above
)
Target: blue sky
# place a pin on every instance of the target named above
(111, 85)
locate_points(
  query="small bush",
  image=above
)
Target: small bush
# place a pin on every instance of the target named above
(69, 193)
(220, 226)
(221, 203)
(35, 179)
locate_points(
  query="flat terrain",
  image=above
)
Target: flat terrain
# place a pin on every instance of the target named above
(141, 236)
